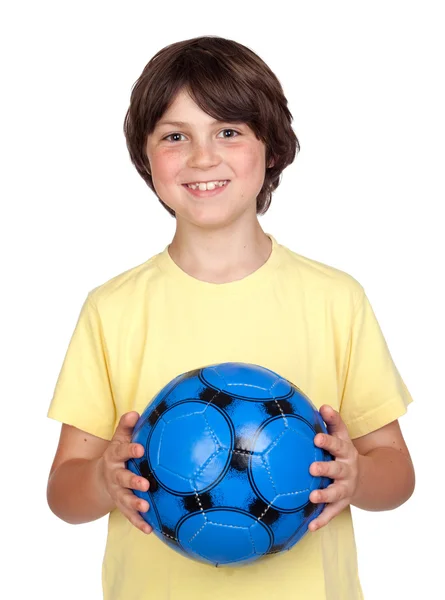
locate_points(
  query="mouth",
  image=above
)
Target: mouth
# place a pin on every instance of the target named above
(206, 193)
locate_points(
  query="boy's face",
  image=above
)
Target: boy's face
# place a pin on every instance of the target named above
(203, 150)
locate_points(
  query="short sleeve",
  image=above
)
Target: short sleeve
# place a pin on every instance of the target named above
(374, 393)
(83, 394)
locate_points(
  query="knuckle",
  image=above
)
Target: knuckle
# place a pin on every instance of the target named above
(134, 503)
(121, 505)
(132, 517)
(114, 450)
(341, 492)
(118, 477)
(123, 478)
(137, 521)
(135, 450)
(130, 501)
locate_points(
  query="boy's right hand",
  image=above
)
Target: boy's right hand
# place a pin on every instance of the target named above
(119, 481)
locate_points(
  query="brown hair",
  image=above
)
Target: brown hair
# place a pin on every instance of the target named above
(230, 83)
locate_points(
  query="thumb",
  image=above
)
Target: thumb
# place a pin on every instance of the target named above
(125, 426)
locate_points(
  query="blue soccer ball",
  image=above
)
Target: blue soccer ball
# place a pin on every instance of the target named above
(227, 453)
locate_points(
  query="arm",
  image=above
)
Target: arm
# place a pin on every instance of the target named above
(373, 472)
(89, 477)
(386, 477)
(75, 491)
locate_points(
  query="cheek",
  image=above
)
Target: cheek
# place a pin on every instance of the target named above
(166, 164)
(249, 168)
(250, 162)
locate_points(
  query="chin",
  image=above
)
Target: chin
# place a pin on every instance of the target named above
(214, 218)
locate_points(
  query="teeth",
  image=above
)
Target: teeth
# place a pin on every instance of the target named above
(211, 185)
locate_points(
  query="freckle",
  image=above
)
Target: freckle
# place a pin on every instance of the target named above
(84, 439)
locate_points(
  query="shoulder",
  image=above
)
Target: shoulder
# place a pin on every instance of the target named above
(126, 287)
(320, 280)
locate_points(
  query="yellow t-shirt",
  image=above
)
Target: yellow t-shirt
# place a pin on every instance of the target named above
(307, 321)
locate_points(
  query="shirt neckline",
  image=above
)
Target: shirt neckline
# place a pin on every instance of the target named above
(168, 265)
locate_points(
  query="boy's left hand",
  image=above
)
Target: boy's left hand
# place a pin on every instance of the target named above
(343, 470)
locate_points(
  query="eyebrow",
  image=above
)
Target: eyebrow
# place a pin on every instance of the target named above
(184, 124)
(175, 123)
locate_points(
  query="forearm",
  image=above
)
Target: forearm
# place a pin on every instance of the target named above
(386, 480)
(76, 493)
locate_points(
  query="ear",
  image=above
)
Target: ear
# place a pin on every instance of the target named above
(271, 163)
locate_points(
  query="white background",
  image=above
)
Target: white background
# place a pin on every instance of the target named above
(364, 83)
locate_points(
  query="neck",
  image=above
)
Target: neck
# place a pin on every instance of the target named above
(220, 256)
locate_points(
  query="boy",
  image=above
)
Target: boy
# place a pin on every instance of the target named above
(209, 130)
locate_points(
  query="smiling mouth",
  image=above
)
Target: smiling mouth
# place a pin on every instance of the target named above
(213, 191)
(207, 185)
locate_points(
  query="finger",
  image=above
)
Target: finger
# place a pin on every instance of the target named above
(327, 514)
(127, 479)
(131, 506)
(333, 469)
(125, 426)
(334, 445)
(132, 502)
(333, 493)
(122, 452)
(135, 519)
(334, 422)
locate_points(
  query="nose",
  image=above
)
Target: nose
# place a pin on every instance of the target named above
(204, 155)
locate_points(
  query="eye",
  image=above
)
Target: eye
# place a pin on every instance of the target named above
(171, 135)
(167, 137)
(232, 130)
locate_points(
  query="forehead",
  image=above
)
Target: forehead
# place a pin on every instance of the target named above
(184, 111)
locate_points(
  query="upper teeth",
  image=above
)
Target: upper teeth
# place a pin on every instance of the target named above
(211, 185)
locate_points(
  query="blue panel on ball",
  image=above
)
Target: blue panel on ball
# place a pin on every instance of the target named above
(203, 454)
(186, 388)
(233, 491)
(250, 382)
(224, 536)
(246, 417)
(286, 484)
(169, 509)
(289, 529)
(304, 407)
